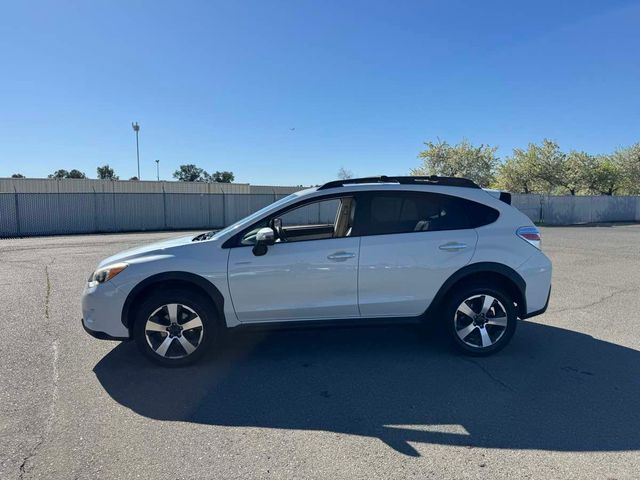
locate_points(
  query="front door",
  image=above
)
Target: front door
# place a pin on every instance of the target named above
(311, 273)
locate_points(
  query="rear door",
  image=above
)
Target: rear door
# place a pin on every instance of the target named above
(411, 242)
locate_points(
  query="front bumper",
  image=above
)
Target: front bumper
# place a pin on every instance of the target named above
(102, 311)
(101, 335)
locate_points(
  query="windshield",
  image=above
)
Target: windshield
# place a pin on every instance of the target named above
(254, 216)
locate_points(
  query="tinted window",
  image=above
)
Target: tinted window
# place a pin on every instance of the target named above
(404, 212)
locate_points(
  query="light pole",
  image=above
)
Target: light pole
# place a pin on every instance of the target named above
(136, 128)
(158, 169)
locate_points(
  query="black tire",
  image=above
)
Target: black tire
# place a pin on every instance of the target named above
(458, 324)
(188, 303)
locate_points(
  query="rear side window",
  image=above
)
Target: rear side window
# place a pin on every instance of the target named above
(404, 212)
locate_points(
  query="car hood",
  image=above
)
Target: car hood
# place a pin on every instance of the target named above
(157, 248)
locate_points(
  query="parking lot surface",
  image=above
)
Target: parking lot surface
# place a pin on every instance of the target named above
(561, 401)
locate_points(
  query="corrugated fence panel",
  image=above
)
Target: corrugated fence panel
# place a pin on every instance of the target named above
(260, 200)
(139, 211)
(216, 211)
(8, 218)
(187, 210)
(613, 209)
(77, 210)
(105, 205)
(527, 204)
(236, 206)
(563, 210)
(572, 210)
(39, 214)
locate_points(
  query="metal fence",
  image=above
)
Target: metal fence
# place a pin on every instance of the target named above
(577, 209)
(31, 214)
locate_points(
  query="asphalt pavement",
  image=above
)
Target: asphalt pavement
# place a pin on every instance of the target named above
(561, 401)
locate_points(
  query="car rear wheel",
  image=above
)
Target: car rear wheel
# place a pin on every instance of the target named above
(175, 327)
(481, 320)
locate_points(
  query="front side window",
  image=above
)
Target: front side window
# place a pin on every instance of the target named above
(328, 218)
(405, 212)
(316, 213)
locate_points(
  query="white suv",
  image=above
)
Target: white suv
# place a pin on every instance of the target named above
(428, 249)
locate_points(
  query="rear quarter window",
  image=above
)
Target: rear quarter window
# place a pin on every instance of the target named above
(478, 214)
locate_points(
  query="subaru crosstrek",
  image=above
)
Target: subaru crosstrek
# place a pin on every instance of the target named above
(428, 249)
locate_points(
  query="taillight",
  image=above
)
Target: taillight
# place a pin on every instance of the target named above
(531, 235)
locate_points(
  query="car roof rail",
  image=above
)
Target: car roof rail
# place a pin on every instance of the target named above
(410, 180)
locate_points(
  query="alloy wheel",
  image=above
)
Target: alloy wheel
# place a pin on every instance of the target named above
(174, 331)
(480, 321)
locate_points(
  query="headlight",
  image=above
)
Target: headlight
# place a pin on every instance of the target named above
(105, 274)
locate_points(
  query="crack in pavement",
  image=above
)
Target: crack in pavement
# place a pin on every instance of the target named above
(54, 393)
(488, 373)
(593, 304)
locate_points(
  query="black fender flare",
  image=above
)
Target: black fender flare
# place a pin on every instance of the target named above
(480, 267)
(184, 277)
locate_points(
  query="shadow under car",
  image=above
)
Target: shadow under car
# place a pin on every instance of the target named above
(551, 389)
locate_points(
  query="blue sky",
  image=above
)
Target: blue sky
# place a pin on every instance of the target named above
(364, 83)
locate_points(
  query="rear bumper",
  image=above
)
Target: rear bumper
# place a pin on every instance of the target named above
(536, 273)
(541, 311)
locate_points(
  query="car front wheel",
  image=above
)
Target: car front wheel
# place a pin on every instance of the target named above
(174, 327)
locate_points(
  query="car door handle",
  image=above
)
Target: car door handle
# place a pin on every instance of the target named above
(452, 246)
(341, 256)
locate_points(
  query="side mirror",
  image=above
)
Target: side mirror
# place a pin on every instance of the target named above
(264, 238)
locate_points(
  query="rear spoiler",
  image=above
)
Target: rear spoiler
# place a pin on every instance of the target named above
(499, 194)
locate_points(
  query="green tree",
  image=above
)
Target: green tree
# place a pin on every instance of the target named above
(18, 175)
(576, 168)
(461, 160)
(106, 173)
(628, 160)
(559, 171)
(189, 173)
(76, 174)
(548, 164)
(518, 173)
(545, 168)
(220, 177)
(606, 175)
(60, 174)
(67, 174)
